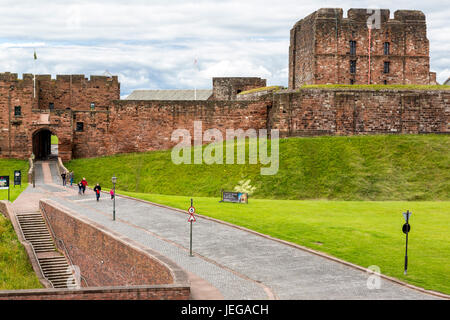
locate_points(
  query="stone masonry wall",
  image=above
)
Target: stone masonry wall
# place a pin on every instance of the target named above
(136, 126)
(169, 292)
(106, 258)
(348, 112)
(77, 92)
(227, 88)
(320, 48)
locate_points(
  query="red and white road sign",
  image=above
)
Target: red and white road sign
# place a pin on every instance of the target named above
(191, 211)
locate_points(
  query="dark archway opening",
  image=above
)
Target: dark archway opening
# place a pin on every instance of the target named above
(42, 144)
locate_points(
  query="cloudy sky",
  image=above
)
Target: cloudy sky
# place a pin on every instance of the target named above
(153, 44)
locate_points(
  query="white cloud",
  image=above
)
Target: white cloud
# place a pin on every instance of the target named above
(153, 44)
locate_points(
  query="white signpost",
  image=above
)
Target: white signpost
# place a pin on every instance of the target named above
(191, 219)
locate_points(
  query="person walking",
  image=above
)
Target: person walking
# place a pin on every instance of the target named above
(84, 183)
(63, 176)
(111, 192)
(80, 187)
(71, 178)
(97, 190)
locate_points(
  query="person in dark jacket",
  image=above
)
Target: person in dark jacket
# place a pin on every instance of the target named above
(97, 190)
(63, 176)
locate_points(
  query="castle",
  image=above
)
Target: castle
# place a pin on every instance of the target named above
(90, 120)
(367, 47)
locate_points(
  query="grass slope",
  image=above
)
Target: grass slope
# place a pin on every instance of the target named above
(362, 232)
(382, 167)
(16, 271)
(7, 167)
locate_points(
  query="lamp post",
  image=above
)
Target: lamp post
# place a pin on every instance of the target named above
(114, 180)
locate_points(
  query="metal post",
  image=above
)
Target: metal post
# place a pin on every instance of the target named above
(406, 251)
(190, 246)
(114, 203)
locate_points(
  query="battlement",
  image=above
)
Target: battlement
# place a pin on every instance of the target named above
(8, 76)
(361, 15)
(78, 78)
(74, 78)
(409, 16)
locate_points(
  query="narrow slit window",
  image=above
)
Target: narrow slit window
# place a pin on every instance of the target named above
(387, 48)
(352, 66)
(387, 66)
(352, 47)
(17, 111)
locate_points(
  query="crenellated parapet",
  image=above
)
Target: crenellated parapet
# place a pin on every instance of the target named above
(365, 47)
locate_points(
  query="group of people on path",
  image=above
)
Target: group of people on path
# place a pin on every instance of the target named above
(83, 184)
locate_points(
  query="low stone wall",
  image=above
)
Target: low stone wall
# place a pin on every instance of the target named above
(168, 292)
(108, 259)
(4, 208)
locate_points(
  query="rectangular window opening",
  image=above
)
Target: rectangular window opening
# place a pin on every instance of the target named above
(17, 111)
(80, 126)
(352, 47)
(352, 66)
(387, 48)
(386, 68)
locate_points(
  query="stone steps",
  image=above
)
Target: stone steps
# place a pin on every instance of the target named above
(54, 267)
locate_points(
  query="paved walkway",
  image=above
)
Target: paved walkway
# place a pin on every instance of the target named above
(228, 263)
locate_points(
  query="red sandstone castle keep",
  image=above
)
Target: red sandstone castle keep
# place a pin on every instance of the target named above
(366, 47)
(90, 120)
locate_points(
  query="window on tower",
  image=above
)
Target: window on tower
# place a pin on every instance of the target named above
(352, 47)
(352, 66)
(386, 67)
(387, 48)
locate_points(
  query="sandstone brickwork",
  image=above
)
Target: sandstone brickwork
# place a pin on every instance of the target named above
(320, 48)
(227, 88)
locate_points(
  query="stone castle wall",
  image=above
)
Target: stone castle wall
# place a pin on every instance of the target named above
(320, 52)
(349, 112)
(124, 126)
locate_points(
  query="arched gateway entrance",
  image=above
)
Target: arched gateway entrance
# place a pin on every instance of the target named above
(42, 145)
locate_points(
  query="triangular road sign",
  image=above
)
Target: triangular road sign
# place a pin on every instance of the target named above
(407, 215)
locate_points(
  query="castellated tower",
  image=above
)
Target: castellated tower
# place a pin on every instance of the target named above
(367, 47)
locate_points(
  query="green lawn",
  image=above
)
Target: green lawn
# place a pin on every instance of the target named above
(381, 167)
(16, 271)
(362, 232)
(7, 167)
(54, 140)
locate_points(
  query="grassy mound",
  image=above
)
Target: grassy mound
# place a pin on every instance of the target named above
(16, 271)
(382, 167)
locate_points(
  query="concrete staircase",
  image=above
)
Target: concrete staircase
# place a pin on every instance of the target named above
(54, 266)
